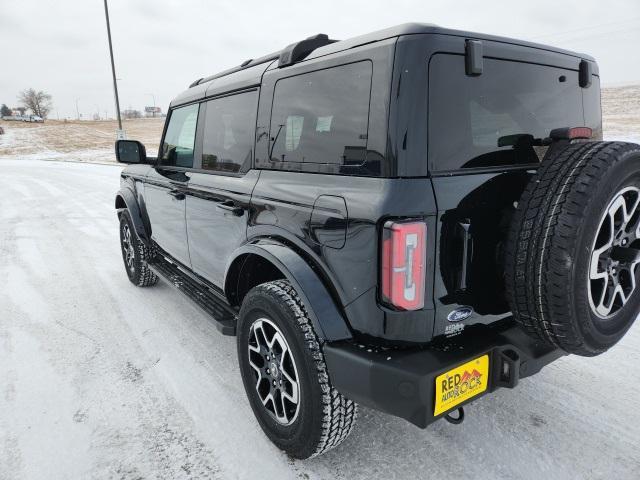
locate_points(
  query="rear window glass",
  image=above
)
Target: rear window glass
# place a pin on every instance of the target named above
(322, 117)
(489, 120)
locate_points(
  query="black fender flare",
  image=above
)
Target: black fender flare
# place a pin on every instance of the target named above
(326, 317)
(129, 198)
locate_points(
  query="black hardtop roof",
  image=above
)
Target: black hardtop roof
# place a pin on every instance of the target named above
(253, 69)
(421, 28)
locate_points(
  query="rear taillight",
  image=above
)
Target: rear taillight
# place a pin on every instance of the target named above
(572, 133)
(403, 264)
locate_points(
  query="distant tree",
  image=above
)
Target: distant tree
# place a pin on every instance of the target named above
(38, 102)
(21, 110)
(130, 113)
(5, 111)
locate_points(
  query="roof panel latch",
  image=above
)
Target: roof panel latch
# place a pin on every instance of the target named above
(584, 73)
(473, 57)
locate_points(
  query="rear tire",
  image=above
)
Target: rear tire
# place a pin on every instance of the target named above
(135, 254)
(558, 252)
(274, 331)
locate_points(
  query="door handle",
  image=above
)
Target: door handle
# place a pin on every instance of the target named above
(231, 207)
(177, 194)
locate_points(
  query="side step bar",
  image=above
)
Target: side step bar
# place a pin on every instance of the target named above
(210, 301)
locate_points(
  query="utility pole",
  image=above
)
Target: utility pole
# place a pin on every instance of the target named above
(77, 109)
(113, 72)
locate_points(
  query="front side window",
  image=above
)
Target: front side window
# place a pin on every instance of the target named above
(229, 133)
(179, 140)
(322, 117)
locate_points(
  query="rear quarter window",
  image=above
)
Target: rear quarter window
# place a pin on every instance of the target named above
(322, 117)
(470, 117)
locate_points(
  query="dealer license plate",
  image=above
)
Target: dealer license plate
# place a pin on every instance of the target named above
(461, 383)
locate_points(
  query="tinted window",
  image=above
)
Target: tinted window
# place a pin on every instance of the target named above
(177, 148)
(490, 120)
(229, 133)
(322, 117)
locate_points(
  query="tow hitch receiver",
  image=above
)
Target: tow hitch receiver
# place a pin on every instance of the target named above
(506, 368)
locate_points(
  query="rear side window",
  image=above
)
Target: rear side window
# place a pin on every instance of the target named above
(179, 139)
(229, 133)
(322, 117)
(489, 120)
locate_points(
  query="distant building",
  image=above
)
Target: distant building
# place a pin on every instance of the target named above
(152, 111)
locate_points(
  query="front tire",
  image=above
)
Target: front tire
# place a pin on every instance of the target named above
(285, 376)
(135, 254)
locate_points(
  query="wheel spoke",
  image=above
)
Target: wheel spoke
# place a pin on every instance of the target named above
(268, 398)
(278, 339)
(293, 397)
(285, 417)
(630, 212)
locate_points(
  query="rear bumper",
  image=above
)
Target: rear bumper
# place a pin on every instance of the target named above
(402, 382)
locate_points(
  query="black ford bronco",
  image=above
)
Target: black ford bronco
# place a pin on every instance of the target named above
(407, 220)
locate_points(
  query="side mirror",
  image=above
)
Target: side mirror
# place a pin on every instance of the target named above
(130, 151)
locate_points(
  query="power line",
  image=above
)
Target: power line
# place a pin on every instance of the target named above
(590, 28)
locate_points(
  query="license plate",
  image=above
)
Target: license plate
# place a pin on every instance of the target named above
(461, 383)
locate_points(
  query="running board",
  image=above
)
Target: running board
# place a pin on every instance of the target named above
(208, 300)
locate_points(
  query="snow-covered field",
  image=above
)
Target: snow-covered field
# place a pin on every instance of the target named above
(80, 141)
(99, 379)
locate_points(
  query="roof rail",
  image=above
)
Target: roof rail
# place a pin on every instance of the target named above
(288, 56)
(246, 64)
(300, 50)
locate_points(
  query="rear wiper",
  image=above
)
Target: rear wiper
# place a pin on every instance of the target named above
(557, 134)
(522, 139)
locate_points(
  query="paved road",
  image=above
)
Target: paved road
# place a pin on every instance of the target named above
(99, 379)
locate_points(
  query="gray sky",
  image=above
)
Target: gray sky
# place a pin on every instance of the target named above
(161, 46)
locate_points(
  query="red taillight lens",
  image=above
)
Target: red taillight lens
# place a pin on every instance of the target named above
(403, 264)
(571, 133)
(580, 132)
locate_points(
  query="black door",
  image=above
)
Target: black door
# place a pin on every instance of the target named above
(167, 183)
(220, 191)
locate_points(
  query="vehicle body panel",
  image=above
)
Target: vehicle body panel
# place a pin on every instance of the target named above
(217, 209)
(165, 199)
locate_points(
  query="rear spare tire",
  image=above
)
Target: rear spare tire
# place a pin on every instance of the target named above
(573, 250)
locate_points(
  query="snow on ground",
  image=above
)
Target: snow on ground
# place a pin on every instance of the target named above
(100, 379)
(80, 141)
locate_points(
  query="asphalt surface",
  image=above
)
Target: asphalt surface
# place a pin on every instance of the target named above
(100, 379)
